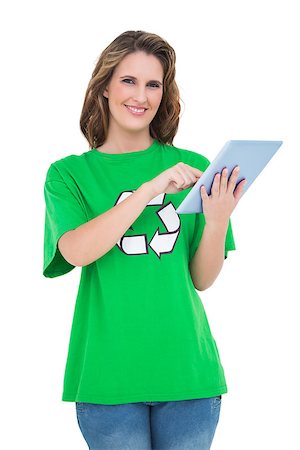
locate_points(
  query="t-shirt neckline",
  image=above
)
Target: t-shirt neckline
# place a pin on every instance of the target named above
(128, 155)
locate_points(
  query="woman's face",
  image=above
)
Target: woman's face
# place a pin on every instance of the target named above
(135, 91)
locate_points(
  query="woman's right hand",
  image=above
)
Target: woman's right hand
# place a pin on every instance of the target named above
(175, 179)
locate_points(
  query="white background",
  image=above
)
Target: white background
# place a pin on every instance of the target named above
(238, 74)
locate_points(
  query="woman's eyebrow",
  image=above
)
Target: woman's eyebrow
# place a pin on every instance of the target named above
(130, 76)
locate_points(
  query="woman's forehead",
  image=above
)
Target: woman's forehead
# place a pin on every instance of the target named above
(139, 65)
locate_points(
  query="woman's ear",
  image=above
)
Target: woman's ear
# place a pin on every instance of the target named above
(105, 93)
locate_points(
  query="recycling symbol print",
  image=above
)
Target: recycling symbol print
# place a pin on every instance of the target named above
(160, 242)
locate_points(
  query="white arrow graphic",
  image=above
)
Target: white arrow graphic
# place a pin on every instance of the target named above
(133, 245)
(160, 242)
(164, 242)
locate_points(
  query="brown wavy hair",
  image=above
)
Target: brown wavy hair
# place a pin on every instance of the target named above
(94, 119)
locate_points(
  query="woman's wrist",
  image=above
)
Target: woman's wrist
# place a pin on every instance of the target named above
(218, 226)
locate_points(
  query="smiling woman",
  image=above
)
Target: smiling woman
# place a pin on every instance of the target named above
(140, 345)
(137, 72)
(140, 98)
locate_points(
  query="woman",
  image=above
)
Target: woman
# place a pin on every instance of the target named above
(143, 368)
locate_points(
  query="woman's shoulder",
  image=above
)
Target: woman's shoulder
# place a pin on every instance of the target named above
(71, 158)
(191, 157)
(67, 163)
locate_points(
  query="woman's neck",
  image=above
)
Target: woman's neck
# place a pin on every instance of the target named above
(125, 143)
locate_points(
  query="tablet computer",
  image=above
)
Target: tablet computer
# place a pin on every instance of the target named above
(250, 156)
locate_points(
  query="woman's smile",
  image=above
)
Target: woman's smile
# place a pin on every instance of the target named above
(136, 111)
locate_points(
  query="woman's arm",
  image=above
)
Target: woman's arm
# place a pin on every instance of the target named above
(217, 208)
(93, 239)
(209, 257)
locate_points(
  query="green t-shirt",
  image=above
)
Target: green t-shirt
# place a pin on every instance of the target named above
(139, 330)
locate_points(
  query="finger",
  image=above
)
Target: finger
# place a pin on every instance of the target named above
(192, 170)
(239, 189)
(233, 179)
(178, 177)
(223, 183)
(186, 173)
(203, 193)
(215, 190)
(196, 171)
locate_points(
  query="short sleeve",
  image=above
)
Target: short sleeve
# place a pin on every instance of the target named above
(229, 242)
(199, 227)
(63, 213)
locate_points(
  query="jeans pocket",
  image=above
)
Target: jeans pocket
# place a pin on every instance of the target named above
(216, 402)
(80, 407)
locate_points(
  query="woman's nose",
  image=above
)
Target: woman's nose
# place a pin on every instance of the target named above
(140, 95)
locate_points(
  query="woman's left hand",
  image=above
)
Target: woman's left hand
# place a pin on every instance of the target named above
(218, 206)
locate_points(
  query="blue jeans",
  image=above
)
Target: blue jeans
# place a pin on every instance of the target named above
(176, 425)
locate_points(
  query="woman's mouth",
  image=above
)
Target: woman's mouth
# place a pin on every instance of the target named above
(135, 110)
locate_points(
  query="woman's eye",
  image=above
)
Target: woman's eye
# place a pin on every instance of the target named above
(128, 81)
